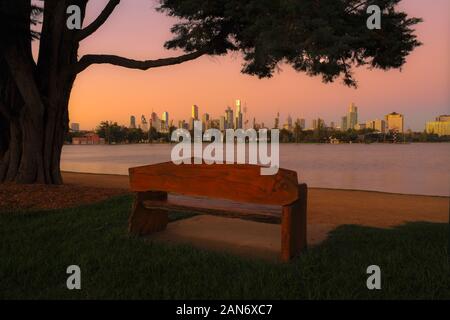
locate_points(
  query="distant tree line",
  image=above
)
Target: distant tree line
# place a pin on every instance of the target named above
(325, 135)
(114, 133)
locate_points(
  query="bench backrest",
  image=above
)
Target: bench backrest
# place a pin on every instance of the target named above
(237, 182)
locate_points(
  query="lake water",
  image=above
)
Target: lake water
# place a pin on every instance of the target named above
(421, 168)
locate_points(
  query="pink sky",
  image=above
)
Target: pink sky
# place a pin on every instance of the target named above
(420, 91)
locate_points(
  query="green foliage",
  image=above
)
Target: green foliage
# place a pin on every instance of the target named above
(324, 135)
(424, 137)
(153, 134)
(37, 247)
(113, 133)
(321, 38)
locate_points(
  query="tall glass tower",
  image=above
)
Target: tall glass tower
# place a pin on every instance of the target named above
(352, 116)
(195, 112)
(239, 119)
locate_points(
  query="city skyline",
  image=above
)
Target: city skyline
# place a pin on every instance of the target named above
(420, 91)
(283, 119)
(234, 119)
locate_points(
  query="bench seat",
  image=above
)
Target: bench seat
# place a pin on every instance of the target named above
(223, 208)
(235, 191)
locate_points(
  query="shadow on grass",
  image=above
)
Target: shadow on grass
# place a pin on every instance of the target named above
(37, 248)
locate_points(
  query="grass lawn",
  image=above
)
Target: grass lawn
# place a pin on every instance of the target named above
(37, 247)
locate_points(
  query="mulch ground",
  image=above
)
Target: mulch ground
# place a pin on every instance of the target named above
(15, 197)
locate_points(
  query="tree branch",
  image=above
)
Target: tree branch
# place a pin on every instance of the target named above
(356, 7)
(97, 23)
(91, 59)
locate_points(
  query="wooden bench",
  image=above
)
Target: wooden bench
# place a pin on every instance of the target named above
(242, 183)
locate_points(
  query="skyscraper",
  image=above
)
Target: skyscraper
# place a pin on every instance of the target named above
(244, 117)
(133, 122)
(276, 124)
(194, 112)
(155, 122)
(222, 123)
(288, 125)
(165, 117)
(344, 123)
(395, 122)
(194, 117)
(229, 118)
(165, 124)
(238, 122)
(144, 123)
(441, 126)
(75, 127)
(302, 123)
(352, 116)
(377, 125)
(206, 121)
(380, 126)
(443, 118)
(318, 124)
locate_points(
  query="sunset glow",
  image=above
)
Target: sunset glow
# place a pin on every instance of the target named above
(136, 30)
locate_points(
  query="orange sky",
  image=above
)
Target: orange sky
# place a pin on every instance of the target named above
(135, 30)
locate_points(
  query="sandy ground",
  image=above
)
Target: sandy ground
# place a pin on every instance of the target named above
(327, 209)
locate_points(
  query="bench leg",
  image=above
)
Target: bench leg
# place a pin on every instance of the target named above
(144, 221)
(293, 226)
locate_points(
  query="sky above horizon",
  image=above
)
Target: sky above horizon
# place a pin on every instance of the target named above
(135, 30)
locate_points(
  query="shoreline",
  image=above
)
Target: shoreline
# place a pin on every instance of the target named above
(313, 188)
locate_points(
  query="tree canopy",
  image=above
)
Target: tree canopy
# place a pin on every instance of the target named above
(319, 37)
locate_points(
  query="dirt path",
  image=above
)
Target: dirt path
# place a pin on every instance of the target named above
(327, 209)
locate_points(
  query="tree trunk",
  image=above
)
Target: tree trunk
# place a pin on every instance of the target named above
(34, 96)
(56, 127)
(37, 116)
(31, 169)
(13, 155)
(33, 150)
